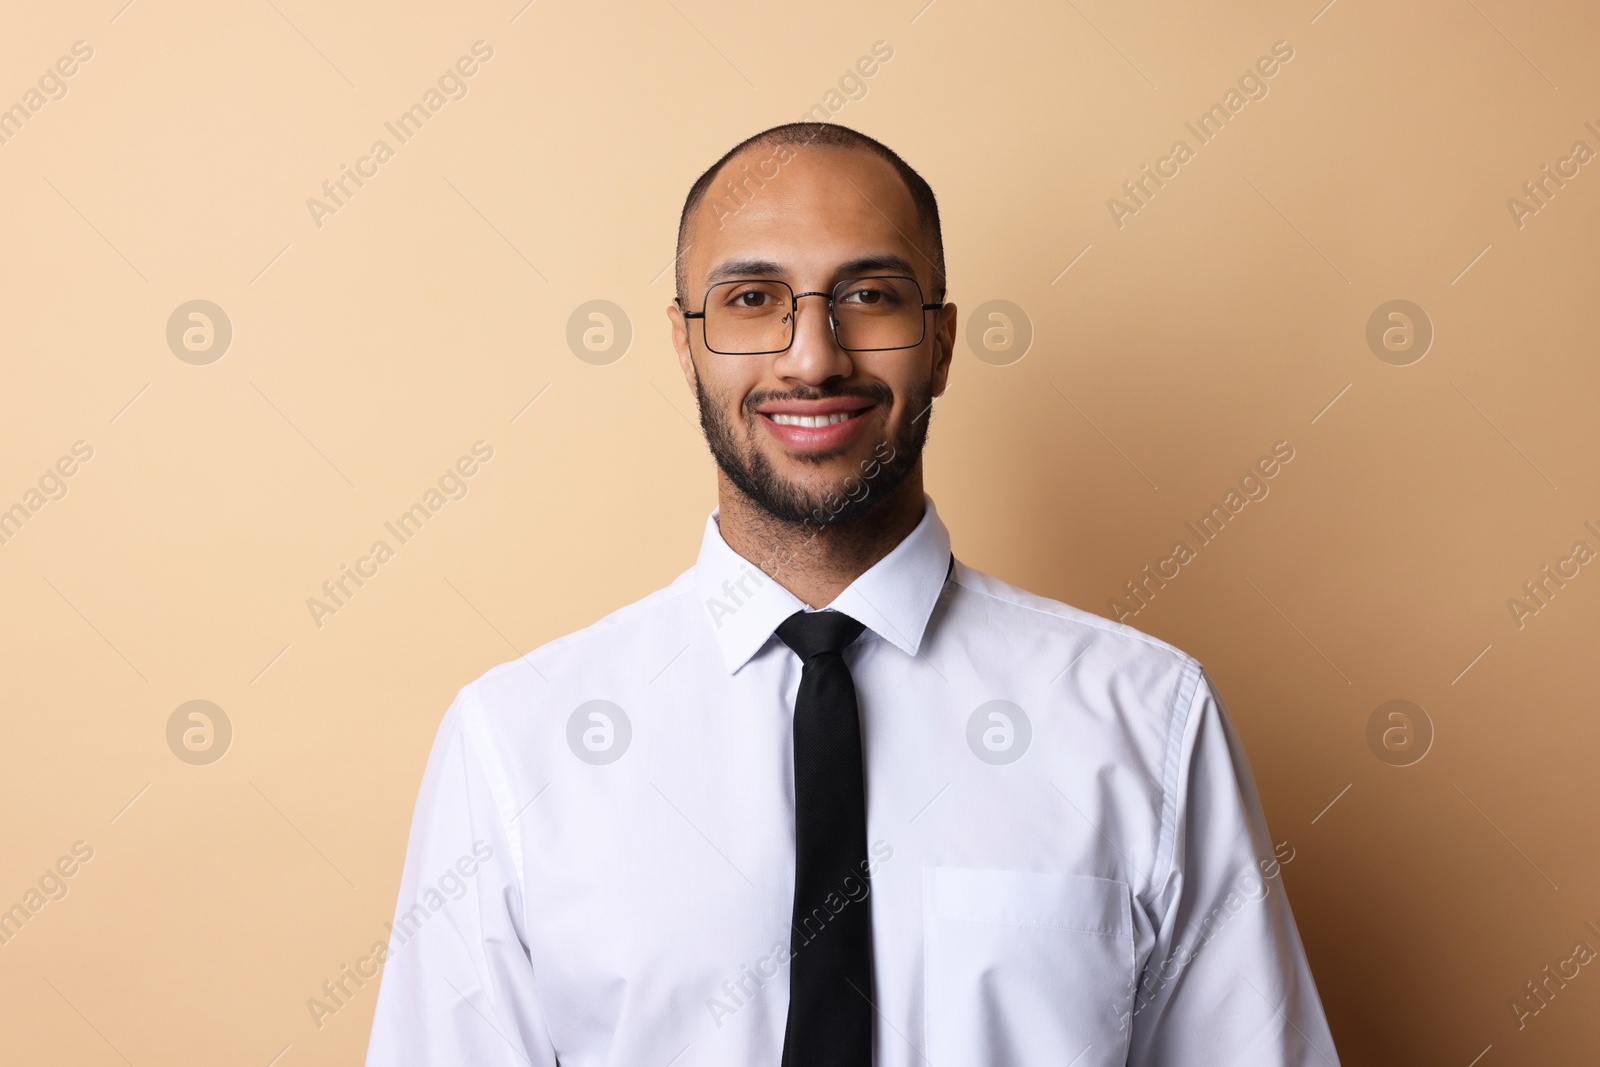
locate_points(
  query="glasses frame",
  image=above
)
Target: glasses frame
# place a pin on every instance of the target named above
(794, 313)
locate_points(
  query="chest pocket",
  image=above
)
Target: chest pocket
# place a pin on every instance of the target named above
(1026, 969)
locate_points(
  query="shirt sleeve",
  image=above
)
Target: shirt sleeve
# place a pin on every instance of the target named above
(457, 983)
(1227, 980)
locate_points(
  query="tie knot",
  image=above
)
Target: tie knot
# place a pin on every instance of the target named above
(816, 633)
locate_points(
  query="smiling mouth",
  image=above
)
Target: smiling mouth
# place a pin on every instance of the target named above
(814, 421)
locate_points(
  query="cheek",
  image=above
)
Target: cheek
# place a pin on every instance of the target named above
(733, 394)
(724, 387)
(908, 382)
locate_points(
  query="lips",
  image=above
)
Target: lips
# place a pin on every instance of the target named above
(815, 425)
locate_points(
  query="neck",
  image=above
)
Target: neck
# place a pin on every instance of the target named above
(816, 563)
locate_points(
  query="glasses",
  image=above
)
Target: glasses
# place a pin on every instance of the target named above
(755, 317)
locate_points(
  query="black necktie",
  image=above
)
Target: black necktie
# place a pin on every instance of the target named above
(830, 974)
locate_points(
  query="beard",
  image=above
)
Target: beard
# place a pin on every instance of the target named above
(787, 501)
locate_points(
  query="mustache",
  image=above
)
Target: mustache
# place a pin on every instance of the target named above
(877, 393)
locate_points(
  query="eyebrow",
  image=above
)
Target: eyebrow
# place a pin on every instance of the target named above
(886, 262)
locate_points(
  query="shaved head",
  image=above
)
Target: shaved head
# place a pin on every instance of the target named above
(749, 165)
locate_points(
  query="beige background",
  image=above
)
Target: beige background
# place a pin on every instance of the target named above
(368, 354)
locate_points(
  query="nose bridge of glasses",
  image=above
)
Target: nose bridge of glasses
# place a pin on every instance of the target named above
(826, 296)
(832, 326)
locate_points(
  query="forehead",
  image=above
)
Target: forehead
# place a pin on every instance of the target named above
(822, 208)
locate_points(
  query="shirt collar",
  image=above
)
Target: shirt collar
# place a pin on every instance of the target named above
(893, 598)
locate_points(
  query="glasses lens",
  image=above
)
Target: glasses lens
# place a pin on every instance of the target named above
(878, 313)
(749, 317)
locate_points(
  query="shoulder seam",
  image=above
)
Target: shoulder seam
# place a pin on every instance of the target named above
(1089, 619)
(1178, 716)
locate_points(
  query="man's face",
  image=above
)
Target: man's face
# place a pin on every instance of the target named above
(829, 214)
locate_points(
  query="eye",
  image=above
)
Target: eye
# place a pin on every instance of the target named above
(870, 295)
(750, 299)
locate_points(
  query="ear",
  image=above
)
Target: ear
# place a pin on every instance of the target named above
(944, 347)
(680, 344)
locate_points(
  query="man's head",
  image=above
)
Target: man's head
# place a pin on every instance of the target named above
(814, 206)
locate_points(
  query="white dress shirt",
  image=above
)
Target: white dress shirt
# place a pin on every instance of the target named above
(1070, 865)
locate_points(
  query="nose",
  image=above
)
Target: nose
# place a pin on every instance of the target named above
(814, 357)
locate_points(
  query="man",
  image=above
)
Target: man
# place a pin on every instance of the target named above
(833, 797)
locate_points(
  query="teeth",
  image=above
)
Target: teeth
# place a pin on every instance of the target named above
(811, 420)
